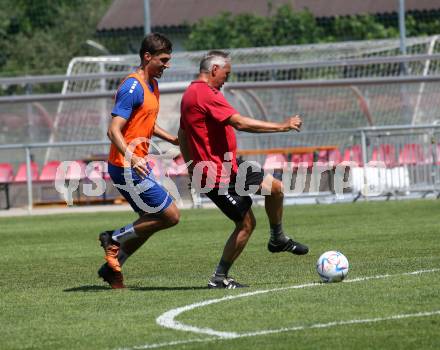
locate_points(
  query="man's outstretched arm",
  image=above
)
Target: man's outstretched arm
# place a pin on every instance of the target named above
(165, 135)
(184, 149)
(247, 124)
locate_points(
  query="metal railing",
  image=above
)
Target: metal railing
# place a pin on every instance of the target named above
(179, 87)
(414, 174)
(28, 159)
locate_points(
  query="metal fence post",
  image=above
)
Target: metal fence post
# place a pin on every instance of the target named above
(29, 179)
(364, 160)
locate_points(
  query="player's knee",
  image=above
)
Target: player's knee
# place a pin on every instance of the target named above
(173, 218)
(247, 224)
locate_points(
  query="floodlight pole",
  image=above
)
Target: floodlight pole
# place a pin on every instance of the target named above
(402, 28)
(147, 22)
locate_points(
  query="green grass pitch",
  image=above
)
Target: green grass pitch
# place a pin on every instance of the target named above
(51, 298)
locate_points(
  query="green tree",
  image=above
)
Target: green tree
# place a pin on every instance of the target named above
(248, 30)
(415, 26)
(42, 36)
(287, 27)
(362, 27)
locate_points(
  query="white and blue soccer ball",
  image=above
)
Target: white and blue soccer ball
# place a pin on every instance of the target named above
(332, 266)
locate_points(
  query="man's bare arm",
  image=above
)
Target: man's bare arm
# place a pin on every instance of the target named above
(242, 123)
(165, 135)
(184, 149)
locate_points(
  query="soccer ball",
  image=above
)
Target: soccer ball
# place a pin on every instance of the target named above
(332, 266)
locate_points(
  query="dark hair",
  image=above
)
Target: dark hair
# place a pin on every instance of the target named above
(155, 44)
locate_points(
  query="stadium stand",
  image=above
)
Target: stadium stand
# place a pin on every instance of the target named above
(76, 170)
(334, 114)
(49, 171)
(385, 153)
(412, 154)
(296, 160)
(334, 157)
(353, 154)
(275, 161)
(21, 175)
(308, 159)
(322, 157)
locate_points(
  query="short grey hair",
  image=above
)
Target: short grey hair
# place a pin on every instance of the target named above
(218, 58)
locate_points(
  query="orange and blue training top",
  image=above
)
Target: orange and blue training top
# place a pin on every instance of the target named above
(138, 103)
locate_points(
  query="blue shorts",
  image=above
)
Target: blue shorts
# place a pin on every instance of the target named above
(144, 194)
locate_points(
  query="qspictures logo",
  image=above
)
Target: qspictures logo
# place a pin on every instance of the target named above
(203, 176)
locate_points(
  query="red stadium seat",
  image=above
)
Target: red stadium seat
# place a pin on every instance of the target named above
(329, 159)
(307, 159)
(275, 161)
(302, 160)
(334, 157)
(98, 170)
(385, 153)
(296, 160)
(49, 171)
(6, 173)
(21, 175)
(76, 172)
(323, 157)
(412, 154)
(354, 154)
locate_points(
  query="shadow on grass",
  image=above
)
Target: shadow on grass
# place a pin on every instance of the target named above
(165, 288)
(94, 288)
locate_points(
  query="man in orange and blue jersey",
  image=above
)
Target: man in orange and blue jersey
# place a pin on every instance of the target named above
(132, 126)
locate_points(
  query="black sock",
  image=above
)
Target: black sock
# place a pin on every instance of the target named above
(277, 234)
(222, 268)
(275, 231)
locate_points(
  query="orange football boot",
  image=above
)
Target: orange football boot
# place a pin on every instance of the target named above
(114, 279)
(111, 249)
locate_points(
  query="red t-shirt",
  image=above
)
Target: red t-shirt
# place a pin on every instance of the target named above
(204, 114)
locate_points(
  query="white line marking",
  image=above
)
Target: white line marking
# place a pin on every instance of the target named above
(291, 329)
(171, 343)
(167, 319)
(340, 323)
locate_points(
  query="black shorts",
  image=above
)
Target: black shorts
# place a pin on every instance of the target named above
(232, 204)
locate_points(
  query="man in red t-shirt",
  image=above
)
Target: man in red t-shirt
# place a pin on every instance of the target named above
(207, 137)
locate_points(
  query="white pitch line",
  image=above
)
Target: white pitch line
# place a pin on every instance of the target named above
(167, 319)
(340, 323)
(290, 329)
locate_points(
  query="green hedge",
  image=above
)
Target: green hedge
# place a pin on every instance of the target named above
(286, 27)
